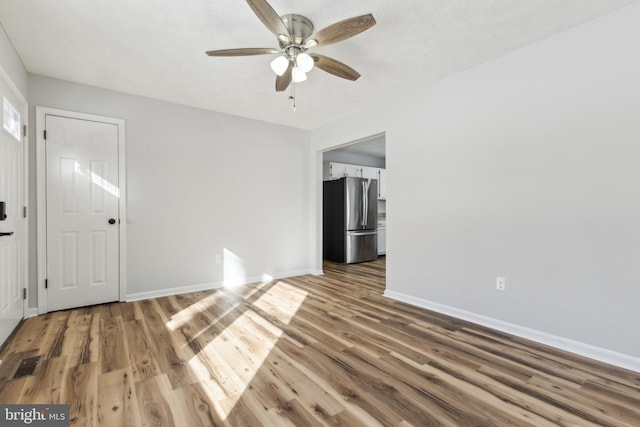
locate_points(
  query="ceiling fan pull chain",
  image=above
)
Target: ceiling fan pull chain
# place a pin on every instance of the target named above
(292, 97)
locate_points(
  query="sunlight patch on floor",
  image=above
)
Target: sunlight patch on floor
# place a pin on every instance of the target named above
(185, 315)
(228, 363)
(281, 301)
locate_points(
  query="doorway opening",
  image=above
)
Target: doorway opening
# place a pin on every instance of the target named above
(362, 158)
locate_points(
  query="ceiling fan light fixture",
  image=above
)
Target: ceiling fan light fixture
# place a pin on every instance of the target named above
(280, 65)
(295, 34)
(298, 75)
(305, 62)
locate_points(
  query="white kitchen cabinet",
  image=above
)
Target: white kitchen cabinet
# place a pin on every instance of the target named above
(332, 170)
(353, 170)
(369, 172)
(338, 170)
(382, 240)
(382, 183)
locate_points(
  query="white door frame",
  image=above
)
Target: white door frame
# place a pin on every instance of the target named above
(41, 162)
(25, 190)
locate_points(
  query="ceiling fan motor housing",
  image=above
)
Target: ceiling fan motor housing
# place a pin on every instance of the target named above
(300, 28)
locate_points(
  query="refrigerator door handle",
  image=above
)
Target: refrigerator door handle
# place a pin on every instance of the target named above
(363, 209)
(362, 233)
(365, 203)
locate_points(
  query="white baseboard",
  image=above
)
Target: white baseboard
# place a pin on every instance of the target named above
(267, 277)
(601, 354)
(213, 285)
(172, 291)
(31, 312)
(285, 274)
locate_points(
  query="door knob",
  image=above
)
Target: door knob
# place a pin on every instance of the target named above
(6, 234)
(112, 221)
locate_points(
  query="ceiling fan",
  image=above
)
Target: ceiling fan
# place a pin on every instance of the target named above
(294, 36)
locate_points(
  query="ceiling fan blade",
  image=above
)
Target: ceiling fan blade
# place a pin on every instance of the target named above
(243, 51)
(269, 17)
(344, 29)
(334, 67)
(283, 81)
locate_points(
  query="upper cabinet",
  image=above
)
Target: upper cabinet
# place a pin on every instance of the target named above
(339, 170)
(333, 170)
(368, 172)
(382, 183)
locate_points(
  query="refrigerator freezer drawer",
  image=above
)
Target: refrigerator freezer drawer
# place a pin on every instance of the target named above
(361, 246)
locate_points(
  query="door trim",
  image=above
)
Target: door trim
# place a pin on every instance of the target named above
(41, 161)
(25, 182)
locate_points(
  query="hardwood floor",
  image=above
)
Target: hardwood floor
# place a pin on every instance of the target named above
(305, 351)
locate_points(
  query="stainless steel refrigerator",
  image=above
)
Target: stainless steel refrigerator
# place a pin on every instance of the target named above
(350, 219)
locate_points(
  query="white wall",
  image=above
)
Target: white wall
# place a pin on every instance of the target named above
(11, 63)
(199, 182)
(524, 167)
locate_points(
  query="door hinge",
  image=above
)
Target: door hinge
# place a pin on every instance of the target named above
(24, 211)
(24, 130)
(45, 134)
(46, 283)
(24, 293)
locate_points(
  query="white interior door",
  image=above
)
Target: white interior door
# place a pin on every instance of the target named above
(12, 230)
(82, 223)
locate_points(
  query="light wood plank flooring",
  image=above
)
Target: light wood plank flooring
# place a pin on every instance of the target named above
(306, 351)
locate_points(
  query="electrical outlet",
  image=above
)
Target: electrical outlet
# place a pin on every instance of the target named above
(501, 284)
(218, 259)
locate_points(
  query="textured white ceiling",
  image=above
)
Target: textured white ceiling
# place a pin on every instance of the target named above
(155, 48)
